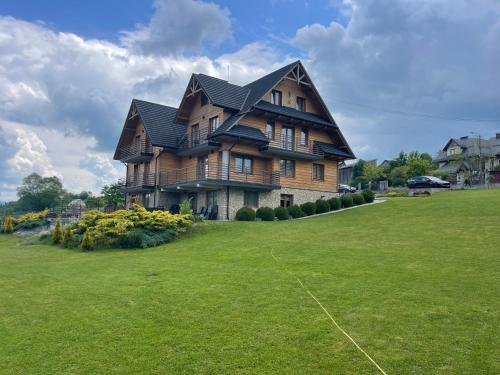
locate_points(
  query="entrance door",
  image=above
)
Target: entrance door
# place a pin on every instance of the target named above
(287, 138)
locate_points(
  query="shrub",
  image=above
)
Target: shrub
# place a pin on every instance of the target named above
(322, 206)
(368, 195)
(245, 214)
(130, 240)
(185, 207)
(309, 208)
(8, 225)
(32, 220)
(57, 234)
(87, 241)
(295, 211)
(357, 199)
(334, 203)
(68, 237)
(396, 194)
(151, 239)
(281, 213)
(265, 213)
(346, 201)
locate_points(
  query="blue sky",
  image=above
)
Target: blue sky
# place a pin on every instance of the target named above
(396, 74)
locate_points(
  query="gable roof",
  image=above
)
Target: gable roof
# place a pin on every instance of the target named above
(222, 93)
(159, 123)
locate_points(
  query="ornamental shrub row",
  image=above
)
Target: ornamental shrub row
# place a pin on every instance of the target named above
(135, 228)
(306, 209)
(27, 221)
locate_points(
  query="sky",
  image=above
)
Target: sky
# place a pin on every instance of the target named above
(396, 74)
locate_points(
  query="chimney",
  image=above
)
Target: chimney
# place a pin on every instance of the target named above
(498, 136)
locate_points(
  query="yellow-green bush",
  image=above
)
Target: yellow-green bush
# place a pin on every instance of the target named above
(87, 241)
(57, 235)
(68, 237)
(8, 225)
(32, 216)
(109, 229)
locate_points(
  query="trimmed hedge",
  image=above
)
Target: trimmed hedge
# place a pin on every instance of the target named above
(346, 201)
(265, 213)
(358, 199)
(334, 203)
(281, 213)
(295, 211)
(309, 208)
(368, 195)
(245, 214)
(322, 206)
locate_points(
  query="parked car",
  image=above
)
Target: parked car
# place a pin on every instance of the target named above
(427, 182)
(346, 189)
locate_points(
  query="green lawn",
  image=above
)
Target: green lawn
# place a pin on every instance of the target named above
(415, 281)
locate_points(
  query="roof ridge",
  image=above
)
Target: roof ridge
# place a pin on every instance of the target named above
(147, 101)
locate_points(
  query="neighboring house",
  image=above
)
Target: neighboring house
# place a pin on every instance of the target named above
(470, 158)
(271, 143)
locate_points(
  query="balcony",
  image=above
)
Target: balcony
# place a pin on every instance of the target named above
(216, 175)
(136, 152)
(141, 182)
(196, 142)
(287, 147)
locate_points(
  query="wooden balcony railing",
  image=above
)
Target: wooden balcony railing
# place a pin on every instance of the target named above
(285, 143)
(218, 172)
(136, 150)
(194, 138)
(141, 179)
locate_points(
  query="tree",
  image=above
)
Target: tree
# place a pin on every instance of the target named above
(112, 195)
(372, 172)
(419, 167)
(358, 168)
(58, 235)
(38, 193)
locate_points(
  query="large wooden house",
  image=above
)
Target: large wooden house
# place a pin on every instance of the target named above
(270, 143)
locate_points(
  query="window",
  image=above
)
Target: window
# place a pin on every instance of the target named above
(195, 134)
(301, 104)
(146, 168)
(211, 198)
(287, 168)
(270, 130)
(214, 123)
(276, 97)
(244, 164)
(203, 99)
(286, 200)
(287, 138)
(318, 172)
(251, 199)
(304, 137)
(202, 168)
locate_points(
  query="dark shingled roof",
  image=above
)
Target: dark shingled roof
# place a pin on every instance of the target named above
(247, 132)
(259, 87)
(159, 123)
(292, 112)
(223, 93)
(331, 149)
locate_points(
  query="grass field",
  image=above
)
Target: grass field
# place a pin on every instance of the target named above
(415, 281)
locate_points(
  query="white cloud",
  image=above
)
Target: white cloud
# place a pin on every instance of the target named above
(422, 57)
(179, 26)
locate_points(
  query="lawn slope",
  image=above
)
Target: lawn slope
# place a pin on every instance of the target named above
(415, 281)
